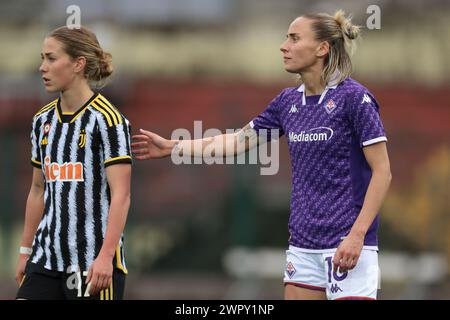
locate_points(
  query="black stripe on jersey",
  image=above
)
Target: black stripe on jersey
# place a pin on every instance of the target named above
(127, 132)
(97, 190)
(64, 235)
(52, 201)
(70, 117)
(80, 201)
(110, 118)
(37, 243)
(46, 231)
(53, 260)
(47, 205)
(37, 127)
(115, 144)
(36, 130)
(113, 141)
(64, 195)
(43, 259)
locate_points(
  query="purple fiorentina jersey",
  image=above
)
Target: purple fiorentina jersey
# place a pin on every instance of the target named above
(330, 174)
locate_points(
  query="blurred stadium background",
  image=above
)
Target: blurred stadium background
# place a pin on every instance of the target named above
(219, 232)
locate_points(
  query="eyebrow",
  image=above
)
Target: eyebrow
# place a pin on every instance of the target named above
(46, 54)
(293, 35)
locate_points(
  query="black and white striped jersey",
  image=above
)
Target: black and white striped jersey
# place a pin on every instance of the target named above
(73, 151)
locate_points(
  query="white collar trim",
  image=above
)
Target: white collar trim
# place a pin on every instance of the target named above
(322, 96)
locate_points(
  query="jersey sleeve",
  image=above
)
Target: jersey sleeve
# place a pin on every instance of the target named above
(115, 139)
(36, 160)
(269, 119)
(366, 120)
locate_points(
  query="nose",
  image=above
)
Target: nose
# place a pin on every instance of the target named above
(42, 67)
(283, 47)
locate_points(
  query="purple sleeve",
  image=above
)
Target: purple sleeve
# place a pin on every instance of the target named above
(270, 118)
(366, 120)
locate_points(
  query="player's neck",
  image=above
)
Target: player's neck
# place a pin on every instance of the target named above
(75, 97)
(312, 79)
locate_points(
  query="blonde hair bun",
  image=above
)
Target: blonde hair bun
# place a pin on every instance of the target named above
(349, 30)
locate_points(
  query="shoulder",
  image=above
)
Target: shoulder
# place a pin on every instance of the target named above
(285, 95)
(289, 92)
(356, 93)
(44, 110)
(106, 112)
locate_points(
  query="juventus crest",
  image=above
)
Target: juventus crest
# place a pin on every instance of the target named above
(82, 141)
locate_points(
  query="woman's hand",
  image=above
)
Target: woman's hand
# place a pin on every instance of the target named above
(100, 274)
(149, 145)
(20, 269)
(348, 253)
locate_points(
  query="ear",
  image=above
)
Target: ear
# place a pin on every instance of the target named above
(79, 64)
(323, 49)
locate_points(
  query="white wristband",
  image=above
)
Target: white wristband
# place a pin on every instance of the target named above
(25, 250)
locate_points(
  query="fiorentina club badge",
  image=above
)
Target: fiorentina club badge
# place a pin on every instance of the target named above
(330, 106)
(290, 270)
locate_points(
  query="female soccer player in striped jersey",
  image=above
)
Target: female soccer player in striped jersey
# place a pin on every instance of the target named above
(72, 243)
(340, 165)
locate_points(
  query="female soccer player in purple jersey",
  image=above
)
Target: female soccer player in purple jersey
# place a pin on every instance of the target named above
(72, 243)
(340, 165)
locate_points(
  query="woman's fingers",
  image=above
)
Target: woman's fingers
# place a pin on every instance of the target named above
(147, 133)
(140, 137)
(145, 157)
(139, 144)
